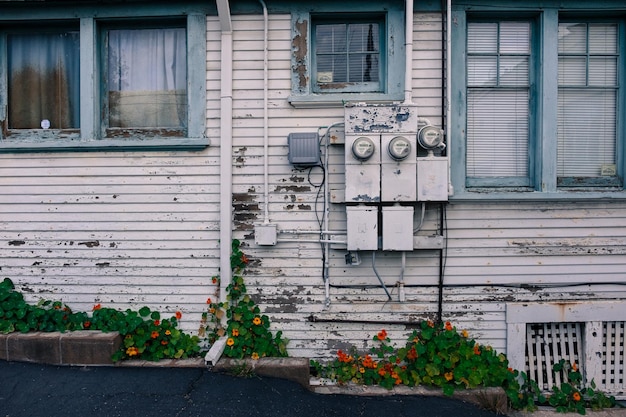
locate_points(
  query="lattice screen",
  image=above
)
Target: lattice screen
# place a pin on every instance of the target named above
(613, 356)
(546, 345)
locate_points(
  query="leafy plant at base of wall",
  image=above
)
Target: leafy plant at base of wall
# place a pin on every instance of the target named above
(572, 395)
(145, 335)
(247, 330)
(442, 357)
(435, 356)
(46, 316)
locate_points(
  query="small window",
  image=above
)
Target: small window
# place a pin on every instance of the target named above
(43, 80)
(146, 81)
(347, 56)
(339, 56)
(587, 104)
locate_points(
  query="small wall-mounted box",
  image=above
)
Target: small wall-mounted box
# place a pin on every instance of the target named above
(398, 228)
(432, 179)
(304, 149)
(362, 225)
(265, 234)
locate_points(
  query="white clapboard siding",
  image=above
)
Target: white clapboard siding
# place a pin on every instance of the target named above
(120, 229)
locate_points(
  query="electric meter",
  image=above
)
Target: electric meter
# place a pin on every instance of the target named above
(399, 148)
(430, 137)
(363, 148)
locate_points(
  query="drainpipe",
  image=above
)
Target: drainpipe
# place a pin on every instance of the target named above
(266, 196)
(226, 166)
(226, 143)
(408, 50)
(448, 113)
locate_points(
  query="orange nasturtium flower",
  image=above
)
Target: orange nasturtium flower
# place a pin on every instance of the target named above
(179, 315)
(87, 324)
(449, 326)
(208, 300)
(235, 332)
(574, 367)
(154, 334)
(256, 321)
(464, 333)
(576, 396)
(97, 307)
(132, 351)
(382, 335)
(164, 342)
(230, 341)
(449, 376)
(476, 349)
(168, 332)
(157, 322)
(254, 356)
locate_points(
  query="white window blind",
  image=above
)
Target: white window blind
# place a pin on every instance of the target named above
(587, 100)
(498, 81)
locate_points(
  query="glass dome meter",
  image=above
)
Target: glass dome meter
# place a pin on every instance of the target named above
(363, 148)
(430, 137)
(399, 148)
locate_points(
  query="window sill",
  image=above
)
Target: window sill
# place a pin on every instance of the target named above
(513, 196)
(339, 100)
(108, 145)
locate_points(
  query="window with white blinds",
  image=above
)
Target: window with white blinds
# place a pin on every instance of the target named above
(498, 103)
(587, 104)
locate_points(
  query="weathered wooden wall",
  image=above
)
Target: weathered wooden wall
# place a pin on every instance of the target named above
(133, 229)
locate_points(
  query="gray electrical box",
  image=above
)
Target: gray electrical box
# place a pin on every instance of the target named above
(304, 149)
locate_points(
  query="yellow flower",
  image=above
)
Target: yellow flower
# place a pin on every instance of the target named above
(230, 341)
(449, 376)
(256, 321)
(464, 333)
(167, 332)
(255, 356)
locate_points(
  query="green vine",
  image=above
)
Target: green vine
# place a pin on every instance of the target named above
(247, 331)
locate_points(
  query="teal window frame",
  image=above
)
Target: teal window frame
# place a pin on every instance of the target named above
(91, 21)
(543, 183)
(305, 92)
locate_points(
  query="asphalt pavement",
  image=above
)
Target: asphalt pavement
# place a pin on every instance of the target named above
(29, 389)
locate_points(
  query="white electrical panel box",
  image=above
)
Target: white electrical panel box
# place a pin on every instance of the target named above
(398, 167)
(362, 222)
(432, 179)
(397, 225)
(362, 167)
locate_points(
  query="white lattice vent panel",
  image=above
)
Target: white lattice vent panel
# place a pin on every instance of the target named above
(613, 379)
(546, 345)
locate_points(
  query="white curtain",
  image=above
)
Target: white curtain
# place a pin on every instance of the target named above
(43, 71)
(147, 78)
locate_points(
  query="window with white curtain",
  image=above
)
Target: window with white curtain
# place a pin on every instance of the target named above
(106, 76)
(147, 78)
(538, 102)
(587, 103)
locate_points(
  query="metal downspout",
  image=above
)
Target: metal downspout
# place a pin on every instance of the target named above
(226, 143)
(266, 185)
(408, 50)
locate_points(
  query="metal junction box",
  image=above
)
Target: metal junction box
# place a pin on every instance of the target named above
(304, 149)
(432, 179)
(397, 228)
(362, 222)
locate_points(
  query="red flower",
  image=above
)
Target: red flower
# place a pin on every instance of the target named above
(179, 315)
(382, 335)
(157, 322)
(411, 354)
(164, 342)
(244, 259)
(476, 349)
(208, 300)
(97, 307)
(448, 326)
(154, 335)
(87, 324)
